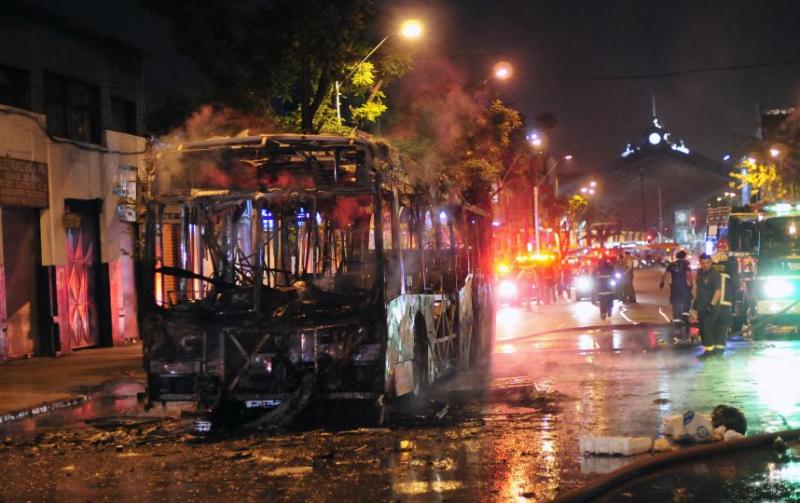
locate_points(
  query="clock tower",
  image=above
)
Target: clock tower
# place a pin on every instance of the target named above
(656, 137)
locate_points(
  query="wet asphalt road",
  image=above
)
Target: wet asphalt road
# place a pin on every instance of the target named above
(492, 445)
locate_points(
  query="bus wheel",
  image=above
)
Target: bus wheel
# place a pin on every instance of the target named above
(420, 355)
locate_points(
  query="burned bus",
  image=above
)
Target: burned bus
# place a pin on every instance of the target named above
(281, 265)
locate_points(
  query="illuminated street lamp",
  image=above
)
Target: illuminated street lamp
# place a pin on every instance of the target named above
(592, 184)
(774, 152)
(503, 70)
(536, 139)
(410, 29)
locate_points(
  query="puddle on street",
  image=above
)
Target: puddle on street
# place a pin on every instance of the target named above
(116, 400)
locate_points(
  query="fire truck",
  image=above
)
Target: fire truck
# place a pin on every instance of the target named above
(763, 247)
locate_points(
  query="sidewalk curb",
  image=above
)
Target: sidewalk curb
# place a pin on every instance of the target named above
(42, 408)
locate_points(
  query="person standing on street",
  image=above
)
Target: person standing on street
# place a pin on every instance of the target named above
(680, 288)
(628, 292)
(708, 293)
(727, 268)
(566, 280)
(604, 282)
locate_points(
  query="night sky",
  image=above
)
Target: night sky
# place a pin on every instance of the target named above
(559, 48)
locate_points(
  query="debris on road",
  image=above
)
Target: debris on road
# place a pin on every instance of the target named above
(417, 411)
(625, 446)
(291, 471)
(662, 445)
(689, 427)
(779, 445)
(729, 417)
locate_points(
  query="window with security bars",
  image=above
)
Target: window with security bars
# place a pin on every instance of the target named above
(72, 108)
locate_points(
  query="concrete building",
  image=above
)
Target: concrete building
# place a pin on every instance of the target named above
(660, 187)
(71, 108)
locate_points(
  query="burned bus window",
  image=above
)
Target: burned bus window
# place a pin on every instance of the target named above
(412, 255)
(408, 239)
(213, 246)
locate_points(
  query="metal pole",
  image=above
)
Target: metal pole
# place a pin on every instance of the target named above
(641, 186)
(337, 86)
(660, 213)
(536, 217)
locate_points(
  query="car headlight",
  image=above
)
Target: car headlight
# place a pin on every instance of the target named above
(618, 275)
(584, 284)
(613, 282)
(777, 288)
(507, 289)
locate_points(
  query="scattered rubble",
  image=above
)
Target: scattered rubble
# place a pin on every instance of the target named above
(291, 471)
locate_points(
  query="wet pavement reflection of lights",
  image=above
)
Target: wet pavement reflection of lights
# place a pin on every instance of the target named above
(777, 375)
(587, 343)
(508, 322)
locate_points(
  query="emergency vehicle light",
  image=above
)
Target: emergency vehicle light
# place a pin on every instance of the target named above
(777, 288)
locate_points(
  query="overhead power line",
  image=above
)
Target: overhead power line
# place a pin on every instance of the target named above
(677, 73)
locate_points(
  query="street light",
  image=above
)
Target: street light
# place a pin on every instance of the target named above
(503, 70)
(410, 29)
(775, 152)
(536, 139)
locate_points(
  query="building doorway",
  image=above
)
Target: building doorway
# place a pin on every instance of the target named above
(21, 253)
(83, 264)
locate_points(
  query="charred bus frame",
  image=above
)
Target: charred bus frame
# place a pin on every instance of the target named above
(329, 271)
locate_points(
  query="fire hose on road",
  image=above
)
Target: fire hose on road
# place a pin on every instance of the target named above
(650, 465)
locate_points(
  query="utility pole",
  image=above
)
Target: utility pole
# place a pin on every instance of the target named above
(337, 87)
(536, 217)
(641, 187)
(660, 213)
(543, 164)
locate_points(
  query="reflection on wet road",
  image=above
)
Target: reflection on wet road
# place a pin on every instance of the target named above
(492, 444)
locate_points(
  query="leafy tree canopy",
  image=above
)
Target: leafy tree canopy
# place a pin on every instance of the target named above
(280, 58)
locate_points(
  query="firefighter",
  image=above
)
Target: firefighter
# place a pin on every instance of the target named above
(526, 281)
(727, 267)
(551, 276)
(708, 293)
(604, 281)
(680, 288)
